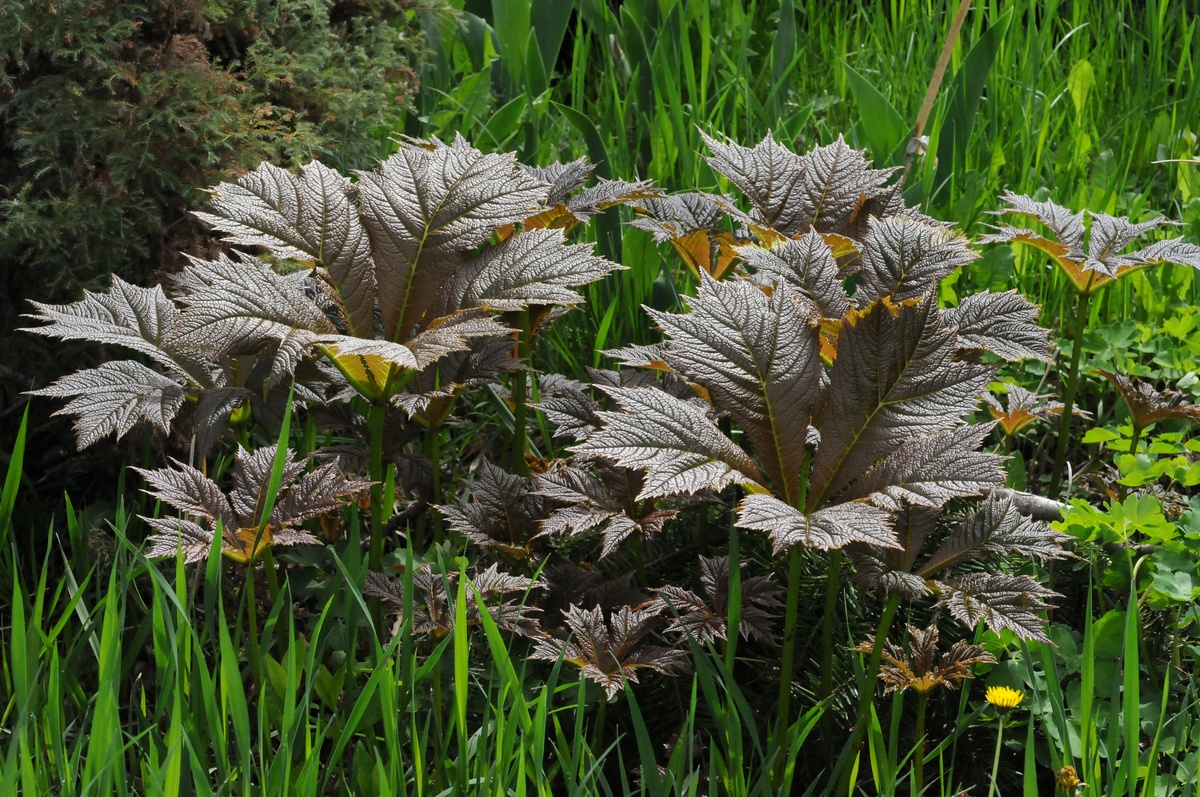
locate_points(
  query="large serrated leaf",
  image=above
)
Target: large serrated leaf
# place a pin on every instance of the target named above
(890, 569)
(141, 319)
(931, 470)
(114, 398)
(905, 258)
(842, 192)
(178, 536)
(241, 513)
(674, 441)
(671, 217)
(315, 493)
(424, 208)
(502, 513)
(536, 267)
(997, 528)
(1001, 601)
(591, 505)
(1172, 250)
(1066, 226)
(566, 404)
(772, 178)
(833, 527)
(609, 653)
(240, 306)
(1107, 239)
(758, 357)
(1004, 324)
(190, 491)
(406, 265)
(252, 478)
(895, 379)
(1147, 404)
(305, 216)
(808, 264)
(1108, 236)
(563, 179)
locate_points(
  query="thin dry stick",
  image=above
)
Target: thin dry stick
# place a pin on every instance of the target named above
(935, 83)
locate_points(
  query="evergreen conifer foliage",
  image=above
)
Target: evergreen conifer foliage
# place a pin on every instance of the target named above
(114, 116)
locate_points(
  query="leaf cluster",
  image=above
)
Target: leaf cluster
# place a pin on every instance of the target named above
(854, 406)
(245, 518)
(392, 292)
(1105, 258)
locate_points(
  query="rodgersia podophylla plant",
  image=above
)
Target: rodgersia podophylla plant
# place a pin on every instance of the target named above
(813, 370)
(247, 524)
(609, 651)
(1105, 259)
(852, 406)
(388, 287)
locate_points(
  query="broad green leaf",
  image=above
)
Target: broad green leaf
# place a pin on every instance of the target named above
(879, 121)
(1080, 83)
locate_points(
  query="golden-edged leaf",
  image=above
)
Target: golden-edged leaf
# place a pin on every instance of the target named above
(895, 380)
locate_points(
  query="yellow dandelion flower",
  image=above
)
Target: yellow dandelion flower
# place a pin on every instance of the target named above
(1004, 698)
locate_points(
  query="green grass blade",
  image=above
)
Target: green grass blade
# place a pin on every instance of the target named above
(880, 122)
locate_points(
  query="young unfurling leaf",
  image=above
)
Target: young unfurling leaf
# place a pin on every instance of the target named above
(1149, 405)
(239, 513)
(1023, 408)
(705, 619)
(606, 502)
(609, 652)
(920, 668)
(434, 610)
(1104, 259)
(502, 514)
